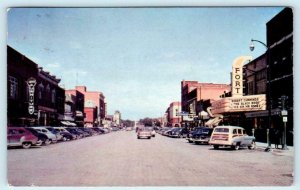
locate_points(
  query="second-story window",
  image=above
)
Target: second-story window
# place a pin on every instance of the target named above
(40, 91)
(53, 96)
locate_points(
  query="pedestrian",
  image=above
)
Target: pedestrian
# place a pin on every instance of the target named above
(277, 138)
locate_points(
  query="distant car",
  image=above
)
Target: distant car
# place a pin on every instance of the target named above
(153, 133)
(202, 135)
(128, 128)
(144, 132)
(231, 136)
(19, 136)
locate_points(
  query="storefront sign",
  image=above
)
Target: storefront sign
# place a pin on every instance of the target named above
(237, 75)
(240, 104)
(31, 82)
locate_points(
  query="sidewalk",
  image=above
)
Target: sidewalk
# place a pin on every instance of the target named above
(262, 147)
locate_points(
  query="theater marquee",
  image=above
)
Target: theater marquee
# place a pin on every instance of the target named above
(240, 104)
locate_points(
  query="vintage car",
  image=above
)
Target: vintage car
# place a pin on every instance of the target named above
(19, 136)
(231, 136)
(202, 135)
(144, 132)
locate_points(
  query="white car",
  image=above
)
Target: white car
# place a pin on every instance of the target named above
(144, 132)
(51, 136)
(231, 136)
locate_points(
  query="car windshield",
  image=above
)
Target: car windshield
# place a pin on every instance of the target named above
(222, 130)
(145, 129)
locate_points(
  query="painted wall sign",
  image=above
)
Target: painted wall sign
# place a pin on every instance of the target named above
(31, 82)
(237, 75)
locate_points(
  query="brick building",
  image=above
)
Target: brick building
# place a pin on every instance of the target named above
(19, 70)
(74, 107)
(94, 106)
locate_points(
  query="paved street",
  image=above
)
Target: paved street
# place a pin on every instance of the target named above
(120, 159)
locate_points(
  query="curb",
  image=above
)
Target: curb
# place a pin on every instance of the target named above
(289, 152)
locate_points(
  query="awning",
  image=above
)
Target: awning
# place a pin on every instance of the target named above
(214, 121)
(64, 122)
(68, 123)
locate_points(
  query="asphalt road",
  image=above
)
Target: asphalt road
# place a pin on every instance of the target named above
(120, 159)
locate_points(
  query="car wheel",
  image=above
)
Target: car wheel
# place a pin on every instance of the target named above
(26, 145)
(236, 147)
(216, 146)
(138, 137)
(252, 146)
(65, 138)
(47, 141)
(190, 141)
(39, 142)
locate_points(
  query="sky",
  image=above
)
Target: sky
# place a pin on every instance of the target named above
(137, 57)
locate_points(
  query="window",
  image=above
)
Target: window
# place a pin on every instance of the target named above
(53, 96)
(234, 131)
(240, 131)
(222, 130)
(244, 132)
(13, 87)
(48, 93)
(40, 91)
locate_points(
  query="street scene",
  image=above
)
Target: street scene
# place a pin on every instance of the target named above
(139, 97)
(120, 159)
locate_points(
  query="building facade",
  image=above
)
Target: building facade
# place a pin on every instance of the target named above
(50, 99)
(19, 70)
(93, 99)
(279, 57)
(34, 95)
(197, 97)
(74, 107)
(117, 118)
(174, 119)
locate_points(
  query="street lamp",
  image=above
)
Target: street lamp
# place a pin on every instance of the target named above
(268, 87)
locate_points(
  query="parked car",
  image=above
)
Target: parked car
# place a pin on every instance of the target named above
(50, 135)
(66, 134)
(202, 135)
(57, 133)
(144, 132)
(177, 132)
(99, 130)
(19, 136)
(231, 136)
(42, 138)
(73, 131)
(190, 134)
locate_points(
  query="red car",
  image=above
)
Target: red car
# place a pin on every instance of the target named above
(19, 136)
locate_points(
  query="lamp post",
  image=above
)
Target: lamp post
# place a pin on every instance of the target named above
(268, 51)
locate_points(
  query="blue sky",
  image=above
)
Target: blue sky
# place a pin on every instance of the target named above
(137, 56)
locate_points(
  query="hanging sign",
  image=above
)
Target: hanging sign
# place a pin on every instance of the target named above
(31, 82)
(237, 75)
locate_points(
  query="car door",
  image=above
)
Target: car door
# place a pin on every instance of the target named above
(15, 136)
